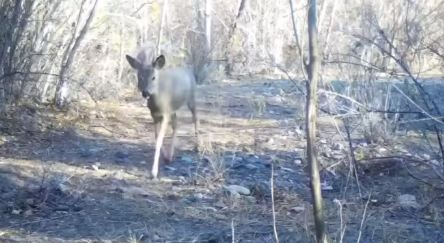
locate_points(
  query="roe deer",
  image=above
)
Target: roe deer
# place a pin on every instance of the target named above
(166, 90)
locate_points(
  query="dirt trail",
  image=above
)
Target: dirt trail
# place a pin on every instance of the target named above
(88, 181)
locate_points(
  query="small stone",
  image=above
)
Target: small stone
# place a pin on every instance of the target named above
(220, 204)
(236, 189)
(16, 211)
(250, 199)
(408, 200)
(28, 213)
(297, 209)
(382, 150)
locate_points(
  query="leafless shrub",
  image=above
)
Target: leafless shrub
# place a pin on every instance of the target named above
(373, 127)
(199, 56)
(213, 157)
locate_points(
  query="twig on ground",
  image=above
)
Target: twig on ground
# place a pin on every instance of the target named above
(323, 91)
(343, 227)
(272, 203)
(363, 218)
(352, 154)
(419, 120)
(232, 231)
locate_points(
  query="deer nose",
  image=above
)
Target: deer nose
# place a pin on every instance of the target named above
(145, 94)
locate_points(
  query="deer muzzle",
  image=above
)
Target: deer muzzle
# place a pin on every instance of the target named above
(145, 94)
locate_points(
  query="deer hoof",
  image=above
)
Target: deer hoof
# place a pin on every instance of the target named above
(168, 160)
(154, 178)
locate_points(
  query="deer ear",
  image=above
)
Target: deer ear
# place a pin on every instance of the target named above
(133, 62)
(159, 62)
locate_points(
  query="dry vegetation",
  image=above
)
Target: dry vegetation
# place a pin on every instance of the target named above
(76, 139)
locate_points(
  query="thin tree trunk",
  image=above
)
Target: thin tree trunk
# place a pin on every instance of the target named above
(230, 35)
(121, 54)
(62, 88)
(60, 84)
(295, 31)
(208, 8)
(162, 23)
(296, 37)
(330, 24)
(311, 118)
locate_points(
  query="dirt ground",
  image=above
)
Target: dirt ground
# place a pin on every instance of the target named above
(83, 175)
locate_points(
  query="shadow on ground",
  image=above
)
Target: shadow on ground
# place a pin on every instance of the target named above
(62, 185)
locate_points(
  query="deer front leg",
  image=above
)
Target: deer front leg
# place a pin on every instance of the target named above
(157, 122)
(156, 128)
(159, 142)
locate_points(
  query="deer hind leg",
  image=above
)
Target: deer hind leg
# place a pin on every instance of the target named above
(173, 140)
(159, 142)
(192, 107)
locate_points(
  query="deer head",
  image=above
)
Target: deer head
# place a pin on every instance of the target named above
(147, 74)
